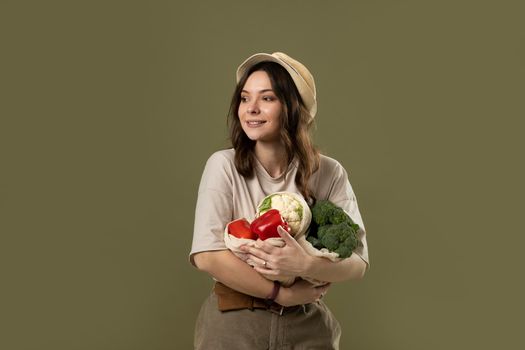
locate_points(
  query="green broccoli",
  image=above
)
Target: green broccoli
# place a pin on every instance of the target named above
(325, 212)
(344, 252)
(321, 212)
(331, 236)
(338, 216)
(334, 229)
(315, 242)
(321, 231)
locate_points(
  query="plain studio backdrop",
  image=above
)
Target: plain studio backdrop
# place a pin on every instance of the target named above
(110, 109)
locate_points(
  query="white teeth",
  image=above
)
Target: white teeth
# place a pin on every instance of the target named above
(256, 123)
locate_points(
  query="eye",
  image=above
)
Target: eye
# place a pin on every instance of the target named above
(243, 99)
(268, 98)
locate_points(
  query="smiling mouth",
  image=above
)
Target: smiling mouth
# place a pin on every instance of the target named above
(256, 122)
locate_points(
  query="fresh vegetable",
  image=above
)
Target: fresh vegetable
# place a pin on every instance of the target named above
(265, 226)
(293, 209)
(333, 229)
(325, 212)
(241, 229)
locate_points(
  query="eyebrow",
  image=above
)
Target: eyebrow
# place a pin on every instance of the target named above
(260, 91)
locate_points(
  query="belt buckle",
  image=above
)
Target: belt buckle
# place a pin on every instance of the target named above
(276, 310)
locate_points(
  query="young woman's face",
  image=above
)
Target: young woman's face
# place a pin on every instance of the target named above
(260, 110)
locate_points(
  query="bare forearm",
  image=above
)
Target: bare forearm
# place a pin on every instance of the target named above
(236, 274)
(326, 270)
(233, 272)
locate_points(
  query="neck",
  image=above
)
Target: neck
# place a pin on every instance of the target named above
(272, 157)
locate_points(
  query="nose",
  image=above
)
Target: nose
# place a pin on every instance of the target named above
(253, 108)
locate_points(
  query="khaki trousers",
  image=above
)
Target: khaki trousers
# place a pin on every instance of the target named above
(310, 326)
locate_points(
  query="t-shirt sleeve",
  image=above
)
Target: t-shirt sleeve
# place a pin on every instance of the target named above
(214, 208)
(343, 196)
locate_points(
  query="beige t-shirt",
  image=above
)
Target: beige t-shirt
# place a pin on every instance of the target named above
(225, 195)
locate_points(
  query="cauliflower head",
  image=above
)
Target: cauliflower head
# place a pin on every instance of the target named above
(292, 207)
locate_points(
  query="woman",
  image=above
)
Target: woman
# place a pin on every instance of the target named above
(270, 117)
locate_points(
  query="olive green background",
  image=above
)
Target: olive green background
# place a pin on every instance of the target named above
(110, 109)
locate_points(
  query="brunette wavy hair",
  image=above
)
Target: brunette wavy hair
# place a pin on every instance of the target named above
(296, 124)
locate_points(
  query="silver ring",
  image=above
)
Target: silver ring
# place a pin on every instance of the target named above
(264, 264)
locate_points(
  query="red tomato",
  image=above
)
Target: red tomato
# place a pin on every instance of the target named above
(240, 228)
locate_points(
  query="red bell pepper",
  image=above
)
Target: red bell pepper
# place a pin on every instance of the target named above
(265, 226)
(240, 228)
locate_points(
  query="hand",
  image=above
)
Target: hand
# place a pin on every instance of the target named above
(289, 260)
(243, 257)
(301, 292)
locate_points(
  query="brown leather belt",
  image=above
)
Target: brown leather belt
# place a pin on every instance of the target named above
(230, 299)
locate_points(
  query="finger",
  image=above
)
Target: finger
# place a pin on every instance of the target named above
(258, 261)
(254, 263)
(264, 246)
(242, 256)
(286, 236)
(256, 252)
(265, 271)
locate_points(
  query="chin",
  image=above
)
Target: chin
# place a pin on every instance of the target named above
(251, 135)
(254, 138)
(260, 136)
